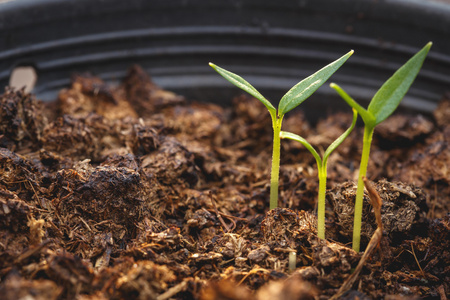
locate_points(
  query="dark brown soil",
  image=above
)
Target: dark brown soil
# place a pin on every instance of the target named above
(131, 192)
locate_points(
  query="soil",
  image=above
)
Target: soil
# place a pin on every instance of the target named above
(132, 192)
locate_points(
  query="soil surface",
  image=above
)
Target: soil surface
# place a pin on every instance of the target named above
(132, 192)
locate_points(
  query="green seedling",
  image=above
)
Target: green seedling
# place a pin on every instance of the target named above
(321, 168)
(382, 105)
(293, 98)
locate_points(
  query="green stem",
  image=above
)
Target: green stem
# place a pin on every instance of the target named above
(321, 200)
(367, 140)
(274, 176)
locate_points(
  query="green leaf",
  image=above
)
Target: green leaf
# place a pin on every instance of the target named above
(340, 139)
(244, 85)
(295, 137)
(305, 88)
(368, 118)
(391, 93)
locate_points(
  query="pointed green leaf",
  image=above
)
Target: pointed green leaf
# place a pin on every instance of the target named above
(391, 93)
(305, 88)
(295, 137)
(367, 117)
(244, 85)
(340, 139)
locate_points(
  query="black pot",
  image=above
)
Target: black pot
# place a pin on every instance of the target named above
(273, 44)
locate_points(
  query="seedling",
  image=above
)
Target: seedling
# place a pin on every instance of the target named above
(293, 98)
(382, 105)
(321, 168)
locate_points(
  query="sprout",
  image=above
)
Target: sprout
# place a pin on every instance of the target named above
(292, 261)
(322, 169)
(293, 98)
(382, 105)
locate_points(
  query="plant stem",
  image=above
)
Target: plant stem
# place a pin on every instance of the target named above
(367, 140)
(274, 176)
(321, 200)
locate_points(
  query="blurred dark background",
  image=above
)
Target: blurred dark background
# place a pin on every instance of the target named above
(273, 44)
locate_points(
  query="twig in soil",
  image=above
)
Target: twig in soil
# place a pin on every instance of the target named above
(234, 224)
(34, 191)
(159, 222)
(32, 251)
(56, 228)
(441, 291)
(226, 261)
(284, 250)
(85, 224)
(231, 218)
(224, 225)
(228, 216)
(253, 271)
(374, 241)
(173, 291)
(417, 261)
(375, 201)
(102, 222)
